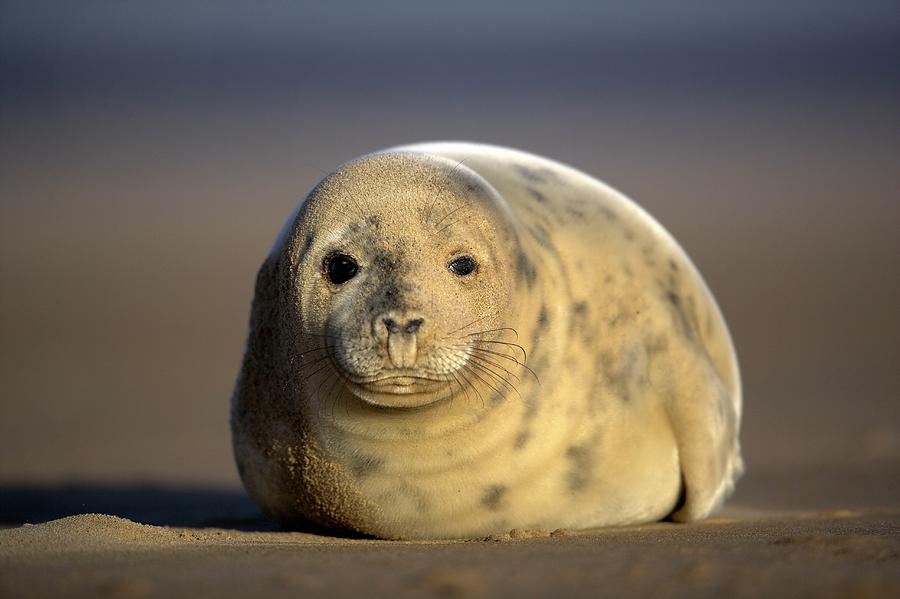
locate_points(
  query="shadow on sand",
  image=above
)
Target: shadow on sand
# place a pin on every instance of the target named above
(148, 504)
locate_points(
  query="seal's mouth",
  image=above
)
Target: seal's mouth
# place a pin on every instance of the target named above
(401, 385)
(399, 391)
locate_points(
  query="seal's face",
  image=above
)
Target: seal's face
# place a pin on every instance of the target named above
(398, 280)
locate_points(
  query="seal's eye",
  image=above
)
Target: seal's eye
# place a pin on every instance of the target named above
(462, 266)
(340, 268)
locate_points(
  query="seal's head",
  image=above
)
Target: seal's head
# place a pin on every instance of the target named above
(397, 270)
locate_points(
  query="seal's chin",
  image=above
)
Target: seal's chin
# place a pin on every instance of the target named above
(400, 391)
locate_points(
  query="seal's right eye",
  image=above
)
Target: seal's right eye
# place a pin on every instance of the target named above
(340, 268)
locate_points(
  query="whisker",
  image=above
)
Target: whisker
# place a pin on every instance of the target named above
(317, 363)
(471, 323)
(460, 365)
(515, 332)
(447, 181)
(496, 365)
(341, 376)
(477, 344)
(490, 386)
(457, 209)
(461, 387)
(496, 377)
(515, 345)
(355, 200)
(462, 373)
(450, 224)
(328, 393)
(323, 335)
(309, 351)
(321, 404)
(339, 211)
(508, 357)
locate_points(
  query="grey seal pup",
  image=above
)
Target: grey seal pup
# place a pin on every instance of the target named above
(452, 340)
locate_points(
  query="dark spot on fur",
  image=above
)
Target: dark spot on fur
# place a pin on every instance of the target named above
(611, 375)
(581, 462)
(656, 345)
(389, 296)
(537, 174)
(616, 320)
(629, 234)
(543, 317)
(542, 236)
(525, 269)
(363, 466)
(493, 497)
(499, 393)
(530, 408)
(522, 439)
(648, 252)
(537, 195)
(529, 173)
(472, 188)
(607, 213)
(673, 265)
(575, 212)
(538, 363)
(387, 263)
(536, 339)
(404, 491)
(681, 315)
(391, 289)
(622, 370)
(579, 320)
(373, 221)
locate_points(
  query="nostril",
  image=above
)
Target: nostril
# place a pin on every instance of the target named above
(407, 327)
(391, 325)
(413, 325)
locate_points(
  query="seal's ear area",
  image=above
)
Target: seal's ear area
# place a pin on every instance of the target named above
(703, 418)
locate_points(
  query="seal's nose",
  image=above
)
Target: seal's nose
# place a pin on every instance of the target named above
(399, 331)
(409, 327)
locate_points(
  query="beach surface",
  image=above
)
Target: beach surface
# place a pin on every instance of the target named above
(224, 547)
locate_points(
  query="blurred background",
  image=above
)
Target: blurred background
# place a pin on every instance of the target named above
(149, 153)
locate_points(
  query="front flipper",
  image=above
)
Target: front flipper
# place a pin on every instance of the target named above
(704, 416)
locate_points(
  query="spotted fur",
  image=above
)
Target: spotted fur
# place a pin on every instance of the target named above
(580, 376)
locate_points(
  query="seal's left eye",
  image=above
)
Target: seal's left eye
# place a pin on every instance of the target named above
(462, 266)
(340, 268)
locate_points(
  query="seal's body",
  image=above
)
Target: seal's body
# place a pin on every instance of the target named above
(453, 340)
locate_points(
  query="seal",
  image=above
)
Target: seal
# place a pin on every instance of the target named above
(452, 340)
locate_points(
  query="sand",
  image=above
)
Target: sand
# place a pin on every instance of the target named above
(762, 543)
(823, 554)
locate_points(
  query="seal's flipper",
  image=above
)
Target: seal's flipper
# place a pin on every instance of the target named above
(705, 422)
